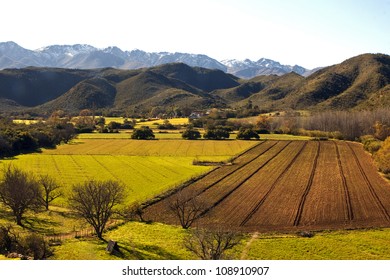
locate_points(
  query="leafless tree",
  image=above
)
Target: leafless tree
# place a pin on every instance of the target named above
(20, 192)
(95, 202)
(50, 190)
(186, 207)
(211, 245)
(133, 211)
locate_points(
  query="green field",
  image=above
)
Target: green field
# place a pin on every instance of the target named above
(151, 167)
(146, 168)
(144, 176)
(176, 148)
(158, 241)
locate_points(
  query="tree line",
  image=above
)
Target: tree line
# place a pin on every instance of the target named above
(16, 138)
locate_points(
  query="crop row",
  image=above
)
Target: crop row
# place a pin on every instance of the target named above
(291, 185)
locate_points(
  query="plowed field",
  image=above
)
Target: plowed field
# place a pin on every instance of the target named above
(290, 185)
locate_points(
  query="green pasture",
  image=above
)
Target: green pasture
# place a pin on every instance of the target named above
(371, 244)
(144, 176)
(159, 241)
(168, 147)
(146, 168)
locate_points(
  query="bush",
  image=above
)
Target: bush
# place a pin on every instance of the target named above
(370, 143)
(190, 134)
(144, 133)
(383, 157)
(247, 133)
(35, 246)
(8, 240)
(216, 134)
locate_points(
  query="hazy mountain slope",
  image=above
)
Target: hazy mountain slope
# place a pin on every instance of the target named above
(361, 82)
(90, 93)
(34, 86)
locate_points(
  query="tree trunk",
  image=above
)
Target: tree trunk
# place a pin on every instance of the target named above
(19, 220)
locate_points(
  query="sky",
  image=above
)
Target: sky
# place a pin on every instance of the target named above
(310, 33)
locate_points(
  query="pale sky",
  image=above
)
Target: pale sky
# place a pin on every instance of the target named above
(309, 33)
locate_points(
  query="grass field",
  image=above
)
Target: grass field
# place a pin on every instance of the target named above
(150, 167)
(372, 244)
(144, 176)
(159, 241)
(182, 148)
(146, 168)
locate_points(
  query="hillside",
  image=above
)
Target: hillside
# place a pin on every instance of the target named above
(361, 82)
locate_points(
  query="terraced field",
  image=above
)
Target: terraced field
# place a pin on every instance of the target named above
(291, 185)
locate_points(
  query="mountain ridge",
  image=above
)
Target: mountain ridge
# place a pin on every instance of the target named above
(85, 56)
(361, 82)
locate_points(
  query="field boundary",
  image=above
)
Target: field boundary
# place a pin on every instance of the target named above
(369, 185)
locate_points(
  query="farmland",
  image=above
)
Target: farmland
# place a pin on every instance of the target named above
(146, 168)
(275, 188)
(291, 185)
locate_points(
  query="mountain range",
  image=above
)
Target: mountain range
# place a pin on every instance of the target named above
(88, 57)
(361, 82)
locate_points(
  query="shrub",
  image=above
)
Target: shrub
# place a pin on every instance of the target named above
(370, 143)
(8, 240)
(383, 157)
(247, 133)
(216, 134)
(190, 134)
(143, 133)
(35, 246)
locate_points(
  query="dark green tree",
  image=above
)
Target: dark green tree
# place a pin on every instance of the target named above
(191, 134)
(216, 134)
(247, 133)
(143, 133)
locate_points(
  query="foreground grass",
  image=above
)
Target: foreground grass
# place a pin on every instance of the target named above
(136, 240)
(373, 244)
(158, 241)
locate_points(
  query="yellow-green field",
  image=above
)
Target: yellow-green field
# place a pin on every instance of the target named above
(158, 241)
(146, 168)
(177, 148)
(151, 167)
(144, 176)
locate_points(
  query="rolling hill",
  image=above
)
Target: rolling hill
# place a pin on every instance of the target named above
(361, 82)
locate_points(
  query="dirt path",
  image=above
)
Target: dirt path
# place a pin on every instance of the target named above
(244, 253)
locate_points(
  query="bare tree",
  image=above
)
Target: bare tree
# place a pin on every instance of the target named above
(20, 192)
(95, 202)
(186, 207)
(211, 245)
(51, 190)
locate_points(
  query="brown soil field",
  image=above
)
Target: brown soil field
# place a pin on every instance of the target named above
(288, 186)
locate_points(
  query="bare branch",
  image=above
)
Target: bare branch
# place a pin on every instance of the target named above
(94, 201)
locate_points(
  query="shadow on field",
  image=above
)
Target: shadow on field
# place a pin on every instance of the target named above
(146, 252)
(39, 225)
